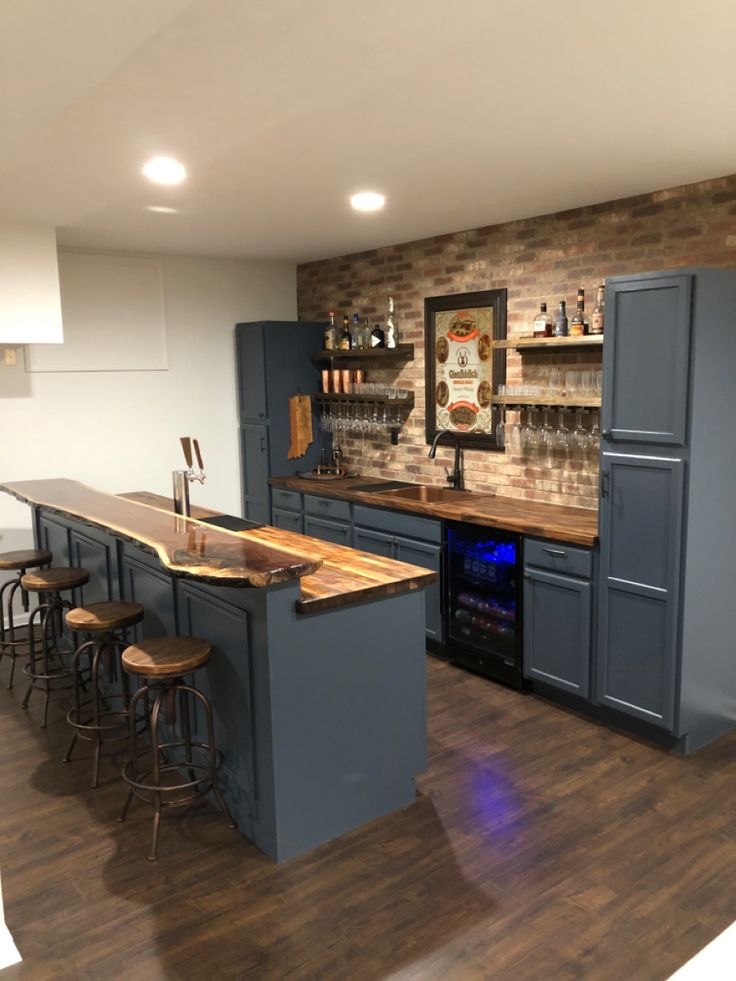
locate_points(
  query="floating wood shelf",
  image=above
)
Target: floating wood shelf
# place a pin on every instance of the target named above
(555, 402)
(589, 341)
(375, 356)
(374, 399)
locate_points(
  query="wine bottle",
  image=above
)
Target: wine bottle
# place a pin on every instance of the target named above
(596, 324)
(543, 323)
(345, 341)
(392, 334)
(561, 320)
(330, 333)
(377, 337)
(577, 323)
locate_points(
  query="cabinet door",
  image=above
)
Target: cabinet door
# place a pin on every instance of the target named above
(97, 553)
(646, 355)
(254, 456)
(290, 520)
(251, 373)
(376, 542)
(428, 556)
(557, 630)
(329, 531)
(641, 539)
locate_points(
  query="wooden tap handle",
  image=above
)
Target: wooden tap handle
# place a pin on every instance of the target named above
(186, 445)
(199, 455)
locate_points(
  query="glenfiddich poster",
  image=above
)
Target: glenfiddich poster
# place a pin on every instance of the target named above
(462, 367)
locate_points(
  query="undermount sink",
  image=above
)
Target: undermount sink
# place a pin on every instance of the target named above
(427, 494)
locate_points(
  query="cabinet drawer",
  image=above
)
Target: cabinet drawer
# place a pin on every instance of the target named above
(558, 557)
(398, 522)
(291, 500)
(327, 507)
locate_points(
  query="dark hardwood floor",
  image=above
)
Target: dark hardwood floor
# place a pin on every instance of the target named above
(540, 846)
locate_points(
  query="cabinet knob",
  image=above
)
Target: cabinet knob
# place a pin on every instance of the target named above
(606, 433)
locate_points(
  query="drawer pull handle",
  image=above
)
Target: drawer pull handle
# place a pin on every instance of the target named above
(555, 551)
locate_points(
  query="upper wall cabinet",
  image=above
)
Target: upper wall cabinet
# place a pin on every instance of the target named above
(646, 352)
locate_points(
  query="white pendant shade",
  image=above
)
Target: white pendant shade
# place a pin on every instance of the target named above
(30, 302)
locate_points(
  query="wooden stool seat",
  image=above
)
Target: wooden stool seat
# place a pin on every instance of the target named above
(25, 558)
(108, 615)
(166, 657)
(54, 579)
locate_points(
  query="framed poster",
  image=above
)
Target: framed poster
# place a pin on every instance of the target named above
(463, 369)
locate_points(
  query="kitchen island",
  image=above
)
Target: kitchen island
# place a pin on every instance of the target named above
(318, 690)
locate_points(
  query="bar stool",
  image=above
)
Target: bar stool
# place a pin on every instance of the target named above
(51, 583)
(11, 644)
(92, 717)
(164, 661)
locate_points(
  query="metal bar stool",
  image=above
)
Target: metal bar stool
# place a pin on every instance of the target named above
(164, 661)
(92, 716)
(14, 640)
(47, 670)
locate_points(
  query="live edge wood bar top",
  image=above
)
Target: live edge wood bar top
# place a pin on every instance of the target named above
(577, 526)
(345, 575)
(187, 548)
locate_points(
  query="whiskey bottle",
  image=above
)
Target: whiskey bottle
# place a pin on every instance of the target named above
(577, 323)
(596, 324)
(392, 334)
(330, 333)
(561, 320)
(377, 337)
(345, 342)
(543, 323)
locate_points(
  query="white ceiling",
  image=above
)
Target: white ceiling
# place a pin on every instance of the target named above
(463, 113)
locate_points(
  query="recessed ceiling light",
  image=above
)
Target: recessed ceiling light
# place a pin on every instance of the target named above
(164, 170)
(368, 201)
(161, 209)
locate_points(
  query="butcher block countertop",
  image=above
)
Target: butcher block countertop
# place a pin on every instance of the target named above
(577, 526)
(344, 576)
(187, 548)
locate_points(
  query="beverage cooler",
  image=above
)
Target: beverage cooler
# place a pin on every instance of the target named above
(484, 580)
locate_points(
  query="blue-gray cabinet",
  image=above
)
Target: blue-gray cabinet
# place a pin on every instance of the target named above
(402, 536)
(273, 363)
(646, 359)
(667, 616)
(288, 520)
(558, 615)
(337, 532)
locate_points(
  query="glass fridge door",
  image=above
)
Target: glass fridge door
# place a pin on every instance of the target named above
(484, 579)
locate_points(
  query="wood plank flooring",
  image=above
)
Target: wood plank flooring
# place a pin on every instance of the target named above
(541, 846)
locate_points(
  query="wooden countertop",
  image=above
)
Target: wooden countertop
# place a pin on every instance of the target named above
(344, 576)
(563, 524)
(187, 548)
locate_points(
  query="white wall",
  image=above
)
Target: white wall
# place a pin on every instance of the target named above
(119, 430)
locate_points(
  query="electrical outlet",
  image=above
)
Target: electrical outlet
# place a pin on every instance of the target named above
(10, 358)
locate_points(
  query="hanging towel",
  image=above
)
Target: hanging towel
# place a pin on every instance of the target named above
(300, 420)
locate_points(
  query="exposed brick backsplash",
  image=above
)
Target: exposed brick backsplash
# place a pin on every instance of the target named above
(542, 258)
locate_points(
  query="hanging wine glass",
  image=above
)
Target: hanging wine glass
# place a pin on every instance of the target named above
(529, 433)
(501, 429)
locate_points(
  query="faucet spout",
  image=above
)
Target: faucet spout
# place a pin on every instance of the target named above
(456, 478)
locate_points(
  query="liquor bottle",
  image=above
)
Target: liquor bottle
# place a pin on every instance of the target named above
(543, 323)
(356, 333)
(577, 323)
(392, 333)
(330, 333)
(561, 320)
(596, 324)
(377, 337)
(345, 341)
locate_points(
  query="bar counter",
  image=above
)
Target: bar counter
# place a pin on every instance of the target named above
(322, 717)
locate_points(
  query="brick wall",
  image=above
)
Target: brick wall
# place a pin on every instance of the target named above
(543, 258)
